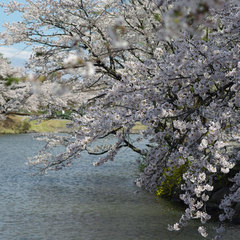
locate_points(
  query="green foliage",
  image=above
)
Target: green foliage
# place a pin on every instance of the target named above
(40, 112)
(39, 54)
(22, 127)
(82, 110)
(171, 185)
(14, 124)
(157, 17)
(11, 80)
(66, 115)
(206, 35)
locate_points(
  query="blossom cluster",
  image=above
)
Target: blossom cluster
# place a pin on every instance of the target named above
(12, 95)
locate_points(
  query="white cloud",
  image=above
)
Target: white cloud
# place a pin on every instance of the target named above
(14, 53)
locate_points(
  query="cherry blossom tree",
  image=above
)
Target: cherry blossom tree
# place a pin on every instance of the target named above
(13, 91)
(171, 65)
(21, 93)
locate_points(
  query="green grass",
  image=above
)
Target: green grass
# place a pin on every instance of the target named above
(138, 127)
(20, 124)
(53, 125)
(14, 124)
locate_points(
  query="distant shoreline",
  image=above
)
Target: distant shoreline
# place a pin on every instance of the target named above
(17, 124)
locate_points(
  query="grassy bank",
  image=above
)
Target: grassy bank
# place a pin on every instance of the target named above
(15, 124)
(138, 127)
(20, 124)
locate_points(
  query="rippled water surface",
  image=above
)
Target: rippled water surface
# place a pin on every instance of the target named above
(81, 202)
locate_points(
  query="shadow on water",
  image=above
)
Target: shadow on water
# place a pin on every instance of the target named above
(81, 202)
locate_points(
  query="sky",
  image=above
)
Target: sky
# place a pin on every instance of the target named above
(18, 54)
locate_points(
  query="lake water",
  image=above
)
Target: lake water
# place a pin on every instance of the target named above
(81, 202)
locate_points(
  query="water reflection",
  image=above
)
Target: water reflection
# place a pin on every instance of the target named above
(81, 202)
